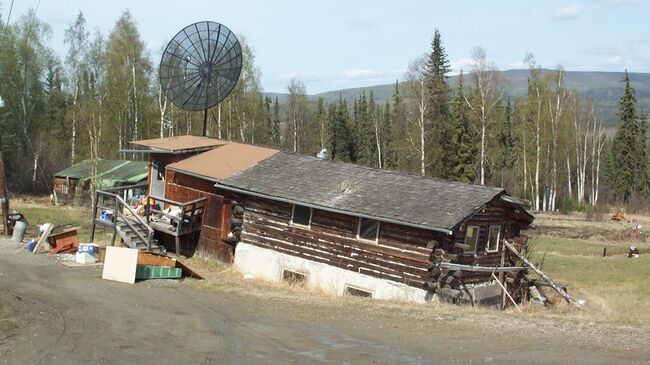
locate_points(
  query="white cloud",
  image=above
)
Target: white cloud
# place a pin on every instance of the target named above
(354, 73)
(464, 64)
(569, 12)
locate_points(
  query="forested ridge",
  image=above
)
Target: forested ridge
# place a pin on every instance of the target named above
(549, 144)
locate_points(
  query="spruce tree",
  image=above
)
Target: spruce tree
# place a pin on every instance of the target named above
(399, 128)
(275, 124)
(627, 167)
(437, 68)
(342, 142)
(462, 150)
(388, 150)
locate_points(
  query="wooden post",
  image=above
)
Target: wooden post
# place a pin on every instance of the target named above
(92, 227)
(502, 280)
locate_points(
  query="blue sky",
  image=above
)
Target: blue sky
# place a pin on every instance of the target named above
(338, 44)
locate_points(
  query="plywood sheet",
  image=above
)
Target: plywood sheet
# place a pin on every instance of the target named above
(120, 264)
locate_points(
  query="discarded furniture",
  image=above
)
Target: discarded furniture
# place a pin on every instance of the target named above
(63, 237)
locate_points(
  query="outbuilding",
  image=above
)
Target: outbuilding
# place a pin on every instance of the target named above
(72, 185)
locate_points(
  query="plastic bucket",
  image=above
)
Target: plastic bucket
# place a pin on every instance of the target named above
(19, 231)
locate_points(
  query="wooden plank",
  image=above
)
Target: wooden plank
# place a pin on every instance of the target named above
(151, 259)
(485, 269)
(187, 271)
(42, 244)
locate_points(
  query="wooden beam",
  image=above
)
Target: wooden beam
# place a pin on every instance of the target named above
(476, 268)
(539, 272)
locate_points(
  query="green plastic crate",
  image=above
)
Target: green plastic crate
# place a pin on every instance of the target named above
(157, 272)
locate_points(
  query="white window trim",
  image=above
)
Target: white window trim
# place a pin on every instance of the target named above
(487, 246)
(359, 231)
(293, 210)
(478, 232)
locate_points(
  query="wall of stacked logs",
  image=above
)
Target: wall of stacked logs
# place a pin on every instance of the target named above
(401, 254)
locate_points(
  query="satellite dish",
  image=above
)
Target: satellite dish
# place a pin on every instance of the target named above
(200, 66)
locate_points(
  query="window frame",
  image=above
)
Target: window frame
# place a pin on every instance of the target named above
(350, 290)
(487, 245)
(359, 230)
(293, 212)
(478, 232)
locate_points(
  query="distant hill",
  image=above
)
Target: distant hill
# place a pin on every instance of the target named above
(603, 88)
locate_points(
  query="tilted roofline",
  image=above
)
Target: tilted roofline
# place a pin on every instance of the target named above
(333, 210)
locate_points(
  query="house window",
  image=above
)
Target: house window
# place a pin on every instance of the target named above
(301, 215)
(294, 278)
(350, 290)
(493, 239)
(471, 238)
(368, 229)
(64, 189)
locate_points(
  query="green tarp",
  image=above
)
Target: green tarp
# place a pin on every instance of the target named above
(110, 173)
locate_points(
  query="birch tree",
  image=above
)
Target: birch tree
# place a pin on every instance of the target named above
(417, 90)
(487, 94)
(76, 37)
(297, 109)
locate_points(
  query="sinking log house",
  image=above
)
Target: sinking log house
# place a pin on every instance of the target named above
(363, 231)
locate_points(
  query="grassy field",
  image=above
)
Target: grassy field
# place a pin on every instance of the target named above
(615, 287)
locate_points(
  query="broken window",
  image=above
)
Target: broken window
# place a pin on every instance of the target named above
(368, 229)
(493, 239)
(301, 215)
(471, 238)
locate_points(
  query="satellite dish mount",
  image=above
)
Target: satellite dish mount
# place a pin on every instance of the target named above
(200, 66)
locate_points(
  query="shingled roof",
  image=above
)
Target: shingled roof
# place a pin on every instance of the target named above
(412, 200)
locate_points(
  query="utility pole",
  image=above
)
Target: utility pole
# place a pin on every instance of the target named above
(4, 198)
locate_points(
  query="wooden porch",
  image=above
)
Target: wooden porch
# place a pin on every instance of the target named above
(136, 218)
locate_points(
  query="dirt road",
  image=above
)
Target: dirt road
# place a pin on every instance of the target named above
(54, 314)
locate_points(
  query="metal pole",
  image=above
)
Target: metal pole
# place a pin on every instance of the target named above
(205, 123)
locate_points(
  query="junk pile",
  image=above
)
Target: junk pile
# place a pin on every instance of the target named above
(120, 263)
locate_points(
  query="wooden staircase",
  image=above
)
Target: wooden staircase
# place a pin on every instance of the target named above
(125, 222)
(136, 237)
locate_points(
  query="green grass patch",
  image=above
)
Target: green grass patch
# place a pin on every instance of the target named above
(60, 215)
(575, 247)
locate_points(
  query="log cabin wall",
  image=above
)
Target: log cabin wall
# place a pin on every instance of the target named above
(494, 213)
(182, 188)
(401, 253)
